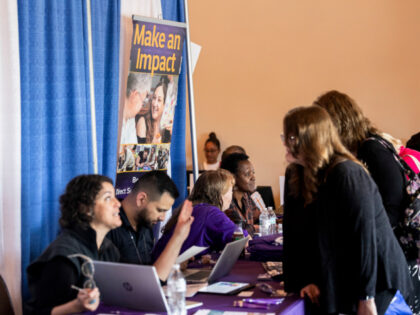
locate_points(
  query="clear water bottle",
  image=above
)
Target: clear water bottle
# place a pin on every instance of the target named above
(273, 220)
(176, 291)
(239, 232)
(264, 223)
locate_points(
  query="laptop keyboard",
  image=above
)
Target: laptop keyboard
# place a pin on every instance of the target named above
(198, 275)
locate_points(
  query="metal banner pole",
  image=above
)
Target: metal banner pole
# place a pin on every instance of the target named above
(191, 97)
(92, 90)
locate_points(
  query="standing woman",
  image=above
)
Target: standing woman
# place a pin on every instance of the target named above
(361, 265)
(242, 208)
(211, 151)
(360, 137)
(211, 196)
(89, 210)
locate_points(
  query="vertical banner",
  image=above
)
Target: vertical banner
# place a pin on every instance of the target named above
(150, 99)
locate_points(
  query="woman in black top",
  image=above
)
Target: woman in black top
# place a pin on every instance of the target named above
(358, 135)
(89, 210)
(360, 264)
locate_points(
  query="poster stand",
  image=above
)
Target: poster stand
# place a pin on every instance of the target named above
(191, 96)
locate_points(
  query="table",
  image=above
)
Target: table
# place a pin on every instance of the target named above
(243, 271)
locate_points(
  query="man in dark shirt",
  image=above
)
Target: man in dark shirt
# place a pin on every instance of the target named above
(152, 196)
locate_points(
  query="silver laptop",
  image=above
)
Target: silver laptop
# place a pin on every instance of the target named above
(132, 286)
(224, 264)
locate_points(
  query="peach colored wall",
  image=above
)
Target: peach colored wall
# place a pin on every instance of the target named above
(261, 58)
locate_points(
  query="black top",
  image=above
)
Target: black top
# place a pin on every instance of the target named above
(388, 176)
(135, 246)
(52, 273)
(300, 252)
(358, 253)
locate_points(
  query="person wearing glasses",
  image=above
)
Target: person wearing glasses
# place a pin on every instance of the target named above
(358, 265)
(147, 204)
(61, 279)
(211, 151)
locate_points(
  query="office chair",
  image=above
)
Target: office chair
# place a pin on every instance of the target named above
(5, 301)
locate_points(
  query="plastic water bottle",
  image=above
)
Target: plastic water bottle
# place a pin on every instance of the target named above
(238, 233)
(176, 291)
(264, 223)
(273, 220)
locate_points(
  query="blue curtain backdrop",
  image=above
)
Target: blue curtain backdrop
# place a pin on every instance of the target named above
(56, 138)
(174, 10)
(106, 44)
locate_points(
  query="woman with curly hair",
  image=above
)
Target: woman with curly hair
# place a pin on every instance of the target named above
(89, 210)
(358, 264)
(211, 196)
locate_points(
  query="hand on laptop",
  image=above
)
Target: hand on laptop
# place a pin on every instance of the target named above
(185, 220)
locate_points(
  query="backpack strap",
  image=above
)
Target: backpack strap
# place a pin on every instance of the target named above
(403, 164)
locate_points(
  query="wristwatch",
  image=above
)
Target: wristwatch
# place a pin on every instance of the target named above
(366, 297)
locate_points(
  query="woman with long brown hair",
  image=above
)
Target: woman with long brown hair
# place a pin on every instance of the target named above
(360, 264)
(148, 126)
(360, 136)
(211, 195)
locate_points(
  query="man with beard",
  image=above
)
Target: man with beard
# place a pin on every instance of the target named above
(152, 196)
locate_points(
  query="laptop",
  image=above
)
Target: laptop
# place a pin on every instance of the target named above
(224, 264)
(132, 286)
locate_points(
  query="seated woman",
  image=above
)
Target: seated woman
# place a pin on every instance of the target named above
(148, 126)
(211, 195)
(358, 264)
(211, 152)
(89, 210)
(242, 208)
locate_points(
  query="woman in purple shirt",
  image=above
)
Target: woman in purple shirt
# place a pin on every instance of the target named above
(211, 195)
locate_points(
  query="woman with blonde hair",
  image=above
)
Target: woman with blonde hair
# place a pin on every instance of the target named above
(211, 196)
(359, 263)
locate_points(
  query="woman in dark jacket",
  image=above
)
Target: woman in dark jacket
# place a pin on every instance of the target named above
(361, 264)
(61, 279)
(361, 138)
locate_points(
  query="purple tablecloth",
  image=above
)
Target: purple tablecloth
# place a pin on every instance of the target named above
(266, 248)
(244, 271)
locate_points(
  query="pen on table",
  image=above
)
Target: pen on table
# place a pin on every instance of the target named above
(250, 305)
(264, 301)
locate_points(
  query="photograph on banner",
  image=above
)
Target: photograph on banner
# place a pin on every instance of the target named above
(144, 157)
(154, 121)
(148, 107)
